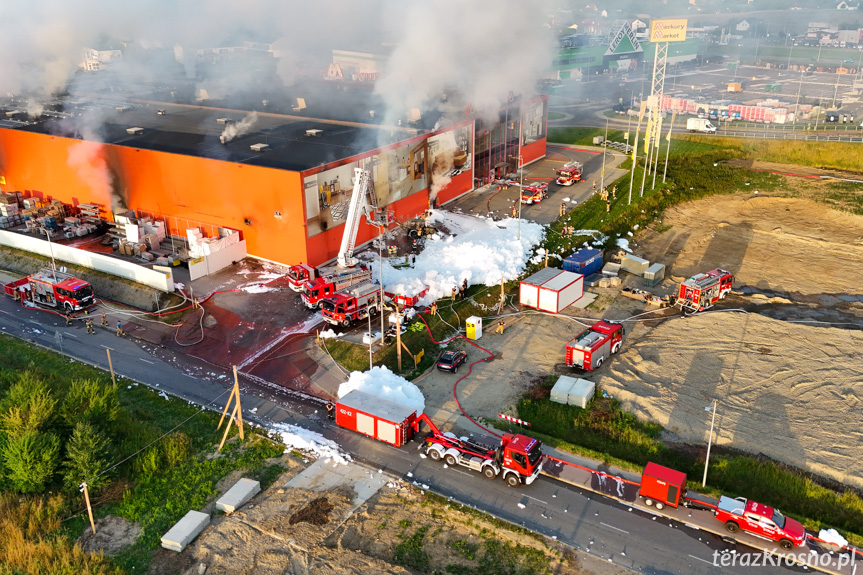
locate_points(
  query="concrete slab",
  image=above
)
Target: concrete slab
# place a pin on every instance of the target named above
(323, 475)
(238, 495)
(185, 530)
(585, 300)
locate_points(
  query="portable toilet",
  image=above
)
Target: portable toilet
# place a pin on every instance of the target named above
(473, 326)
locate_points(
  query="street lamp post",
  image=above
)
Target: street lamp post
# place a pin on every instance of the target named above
(709, 441)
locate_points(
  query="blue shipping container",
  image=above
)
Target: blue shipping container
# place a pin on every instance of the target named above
(585, 261)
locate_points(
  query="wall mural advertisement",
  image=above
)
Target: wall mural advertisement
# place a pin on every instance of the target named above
(533, 125)
(450, 154)
(395, 174)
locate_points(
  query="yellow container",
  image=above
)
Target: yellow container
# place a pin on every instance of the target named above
(473, 326)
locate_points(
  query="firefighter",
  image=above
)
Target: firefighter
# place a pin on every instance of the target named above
(15, 294)
(500, 327)
(562, 209)
(614, 192)
(434, 308)
(454, 290)
(68, 318)
(104, 320)
(513, 211)
(607, 205)
(604, 194)
(89, 324)
(464, 284)
(331, 410)
(594, 186)
(120, 328)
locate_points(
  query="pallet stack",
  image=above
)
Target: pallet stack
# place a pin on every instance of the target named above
(10, 213)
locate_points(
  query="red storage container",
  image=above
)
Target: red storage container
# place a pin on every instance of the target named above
(379, 418)
(662, 486)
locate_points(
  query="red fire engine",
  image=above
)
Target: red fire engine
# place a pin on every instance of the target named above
(534, 193)
(591, 347)
(701, 291)
(352, 304)
(569, 174)
(326, 285)
(518, 458)
(54, 289)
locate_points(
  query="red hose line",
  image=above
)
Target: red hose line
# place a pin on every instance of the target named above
(469, 370)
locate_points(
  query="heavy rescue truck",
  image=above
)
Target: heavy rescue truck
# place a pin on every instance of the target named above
(701, 291)
(353, 304)
(53, 289)
(534, 193)
(569, 174)
(363, 203)
(324, 286)
(518, 458)
(591, 347)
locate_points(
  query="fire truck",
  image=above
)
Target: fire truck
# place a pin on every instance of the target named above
(591, 347)
(53, 289)
(569, 174)
(326, 285)
(760, 520)
(353, 304)
(363, 203)
(518, 458)
(534, 193)
(701, 291)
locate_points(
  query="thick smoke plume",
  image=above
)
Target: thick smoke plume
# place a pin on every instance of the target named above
(231, 131)
(87, 158)
(480, 51)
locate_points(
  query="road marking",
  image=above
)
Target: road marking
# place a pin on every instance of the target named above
(703, 560)
(535, 499)
(696, 527)
(146, 361)
(4, 311)
(613, 527)
(70, 335)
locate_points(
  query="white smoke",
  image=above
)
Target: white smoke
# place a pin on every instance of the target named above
(87, 158)
(231, 131)
(480, 51)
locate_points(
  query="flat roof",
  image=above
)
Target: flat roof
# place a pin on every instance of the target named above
(195, 131)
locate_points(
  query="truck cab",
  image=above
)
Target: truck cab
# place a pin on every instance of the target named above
(316, 290)
(336, 309)
(523, 455)
(568, 175)
(298, 275)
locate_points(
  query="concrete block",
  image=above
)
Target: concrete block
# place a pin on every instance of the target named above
(581, 393)
(238, 495)
(561, 389)
(185, 530)
(634, 264)
(614, 281)
(610, 269)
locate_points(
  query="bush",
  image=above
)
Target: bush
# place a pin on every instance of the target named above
(30, 461)
(87, 456)
(90, 401)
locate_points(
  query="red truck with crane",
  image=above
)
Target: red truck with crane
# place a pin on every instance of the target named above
(324, 286)
(53, 289)
(701, 291)
(591, 347)
(353, 304)
(569, 174)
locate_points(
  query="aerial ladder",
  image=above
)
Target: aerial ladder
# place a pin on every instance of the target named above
(363, 204)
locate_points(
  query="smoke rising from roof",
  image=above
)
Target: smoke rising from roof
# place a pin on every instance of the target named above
(231, 131)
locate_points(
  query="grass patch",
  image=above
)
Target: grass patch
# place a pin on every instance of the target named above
(552, 116)
(410, 553)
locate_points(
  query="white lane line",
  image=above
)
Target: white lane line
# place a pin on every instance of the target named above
(105, 346)
(613, 527)
(4, 311)
(535, 499)
(703, 560)
(70, 335)
(146, 361)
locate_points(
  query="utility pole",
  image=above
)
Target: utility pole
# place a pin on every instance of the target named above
(709, 443)
(604, 152)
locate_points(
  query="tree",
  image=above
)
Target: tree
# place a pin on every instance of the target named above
(90, 401)
(28, 407)
(30, 460)
(87, 456)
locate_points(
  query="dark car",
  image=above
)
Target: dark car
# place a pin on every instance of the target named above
(450, 360)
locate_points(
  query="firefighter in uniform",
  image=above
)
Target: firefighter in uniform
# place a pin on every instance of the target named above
(614, 192)
(594, 186)
(434, 308)
(331, 410)
(454, 290)
(104, 320)
(500, 327)
(89, 324)
(562, 209)
(68, 319)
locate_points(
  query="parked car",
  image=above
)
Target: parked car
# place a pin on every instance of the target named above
(450, 360)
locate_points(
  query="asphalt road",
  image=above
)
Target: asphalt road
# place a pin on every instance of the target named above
(604, 527)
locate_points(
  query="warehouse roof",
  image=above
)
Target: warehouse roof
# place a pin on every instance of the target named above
(292, 143)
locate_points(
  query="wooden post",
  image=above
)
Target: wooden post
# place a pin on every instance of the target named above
(227, 406)
(237, 414)
(237, 395)
(228, 427)
(111, 367)
(89, 508)
(398, 337)
(546, 258)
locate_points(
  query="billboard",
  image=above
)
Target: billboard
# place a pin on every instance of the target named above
(667, 30)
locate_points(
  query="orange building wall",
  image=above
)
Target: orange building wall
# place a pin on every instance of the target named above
(457, 186)
(209, 191)
(534, 151)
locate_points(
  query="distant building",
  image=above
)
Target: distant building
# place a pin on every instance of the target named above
(96, 59)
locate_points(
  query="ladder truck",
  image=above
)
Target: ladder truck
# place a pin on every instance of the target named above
(363, 203)
(518, 458)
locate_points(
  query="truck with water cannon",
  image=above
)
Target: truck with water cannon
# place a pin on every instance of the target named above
(52, 288)
(570, 174)
(701, 291)
(534, 193)
(323, 286)
(594, 345)
(353, 304)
